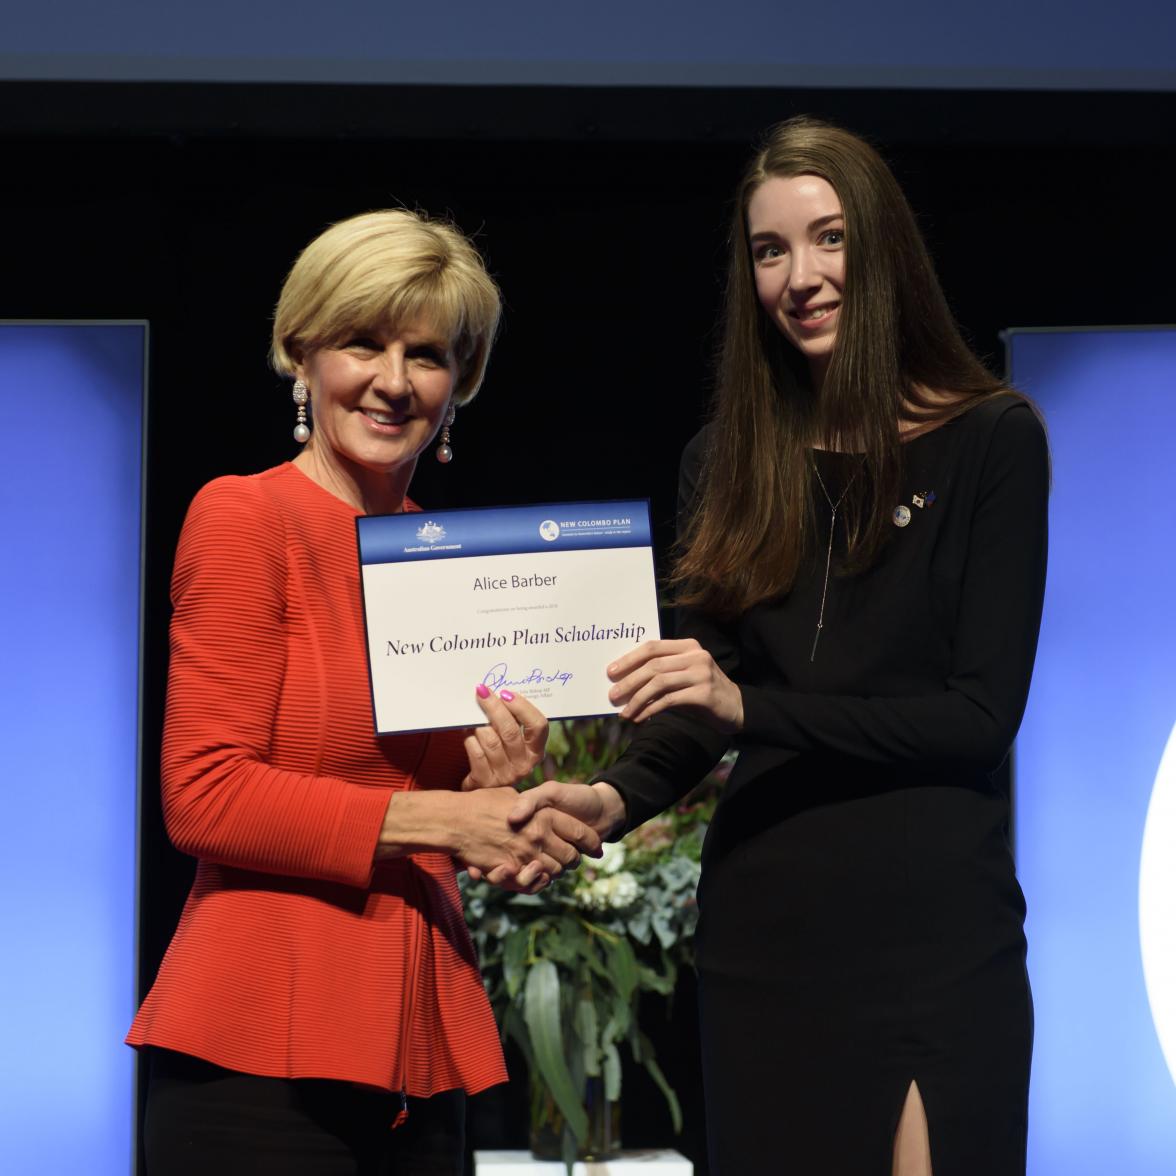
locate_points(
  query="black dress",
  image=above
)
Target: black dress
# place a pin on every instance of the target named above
(861, 923)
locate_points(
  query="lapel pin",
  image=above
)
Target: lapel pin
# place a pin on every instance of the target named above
(923, 498)
(901, 516)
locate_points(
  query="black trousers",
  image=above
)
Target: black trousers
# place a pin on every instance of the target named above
(202, 1120)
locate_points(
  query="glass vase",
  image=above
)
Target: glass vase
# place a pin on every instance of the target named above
(548, 1125)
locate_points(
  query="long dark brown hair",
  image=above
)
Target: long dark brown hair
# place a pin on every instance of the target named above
(898, 355)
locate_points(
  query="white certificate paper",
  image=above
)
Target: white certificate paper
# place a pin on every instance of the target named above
(535, 599)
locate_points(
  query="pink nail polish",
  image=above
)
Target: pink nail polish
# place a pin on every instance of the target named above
(506, 696)
(482, 690)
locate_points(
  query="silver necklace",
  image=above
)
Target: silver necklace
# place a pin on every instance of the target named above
(833, 508)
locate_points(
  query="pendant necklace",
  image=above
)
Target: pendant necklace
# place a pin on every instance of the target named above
(833, 508)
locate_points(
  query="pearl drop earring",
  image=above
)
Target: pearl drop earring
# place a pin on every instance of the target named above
(444, 451)
(301, 398)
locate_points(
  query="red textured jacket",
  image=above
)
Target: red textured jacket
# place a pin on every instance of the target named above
(293, 956)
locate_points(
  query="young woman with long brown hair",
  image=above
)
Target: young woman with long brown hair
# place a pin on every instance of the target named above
(863, 533)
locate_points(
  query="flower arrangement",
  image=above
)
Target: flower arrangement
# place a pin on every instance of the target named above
(565, 968)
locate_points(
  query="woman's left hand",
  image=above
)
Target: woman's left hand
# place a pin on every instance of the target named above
(504, 752)
(681, 674)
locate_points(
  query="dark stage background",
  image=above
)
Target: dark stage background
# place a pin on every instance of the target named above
(603, 215)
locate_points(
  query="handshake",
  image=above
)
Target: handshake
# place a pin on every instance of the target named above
(530, 838)
(518, 840)
(534, 836)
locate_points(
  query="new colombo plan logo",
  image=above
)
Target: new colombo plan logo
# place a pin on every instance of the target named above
(549, 530)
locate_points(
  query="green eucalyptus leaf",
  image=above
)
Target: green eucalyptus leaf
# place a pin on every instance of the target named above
(569, 1148)
(587, 1030)
(653, 981)
(624, 967)
(562, 941)
(528, 900)
(514, 960)
(641, 925)
(621, 1017)
(597, 966)
(590, 942)
(542, 1015)
(612, 1073)
(655, 1072)
(515, 1028)
(663, 928)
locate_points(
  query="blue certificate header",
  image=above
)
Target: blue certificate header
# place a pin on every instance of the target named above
(503, 530)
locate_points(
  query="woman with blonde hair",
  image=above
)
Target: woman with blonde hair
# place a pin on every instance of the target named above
(321, 987)
(863, 534)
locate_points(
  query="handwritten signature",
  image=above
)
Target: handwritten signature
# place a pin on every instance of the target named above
(496, 677)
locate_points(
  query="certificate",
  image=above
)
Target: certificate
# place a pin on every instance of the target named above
(537, 599)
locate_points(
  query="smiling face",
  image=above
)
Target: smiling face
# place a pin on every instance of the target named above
(796, 230)
(378, 399)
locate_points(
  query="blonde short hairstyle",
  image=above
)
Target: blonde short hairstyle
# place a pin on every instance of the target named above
(383, 269)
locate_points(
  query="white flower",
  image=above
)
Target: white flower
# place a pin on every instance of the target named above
(611, 859)
(614, 892)
(625, 890)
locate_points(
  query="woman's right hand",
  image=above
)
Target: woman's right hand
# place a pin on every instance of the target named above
(599, 805)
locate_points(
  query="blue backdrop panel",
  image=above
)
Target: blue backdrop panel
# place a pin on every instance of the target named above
(1069, 44)
(1100, 713)
(72, 405)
